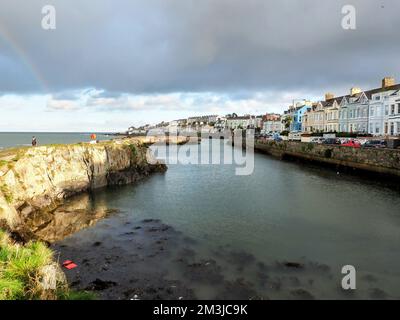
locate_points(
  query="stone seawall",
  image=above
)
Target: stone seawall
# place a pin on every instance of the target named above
(35, 179)
(385, 161)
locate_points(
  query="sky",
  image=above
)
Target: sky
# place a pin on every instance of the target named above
(109, 64)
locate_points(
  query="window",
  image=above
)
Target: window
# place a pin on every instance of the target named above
(372, 111)
(398, 127)
(398, 108)
(377, 128)
(392, 109)
(386, 110)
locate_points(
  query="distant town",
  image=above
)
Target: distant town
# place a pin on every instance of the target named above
(374, 112)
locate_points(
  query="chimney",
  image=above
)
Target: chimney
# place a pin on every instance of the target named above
(329, 96)
(354, 91)
(387, 82)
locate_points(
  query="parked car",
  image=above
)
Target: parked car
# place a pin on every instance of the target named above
(317, 140)
(352, 144)
(331, 141)
(375, 144)
(294, 136)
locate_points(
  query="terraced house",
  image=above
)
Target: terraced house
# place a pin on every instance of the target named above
(331, 114)
(296, 113)
(314, 119)
(383, 107)
(393, 106)
(272, 123)
(375, 111)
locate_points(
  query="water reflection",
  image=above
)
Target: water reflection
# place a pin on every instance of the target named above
(75, 214)
(245, 230)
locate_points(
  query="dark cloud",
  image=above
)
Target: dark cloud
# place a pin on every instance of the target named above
(160, 46)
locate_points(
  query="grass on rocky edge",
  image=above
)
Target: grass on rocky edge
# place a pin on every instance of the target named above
(6, 193)
(26, 269)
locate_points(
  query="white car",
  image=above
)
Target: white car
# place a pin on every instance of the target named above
(317, 140)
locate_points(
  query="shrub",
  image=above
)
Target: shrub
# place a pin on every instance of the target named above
(6, 193)
(24, 269)
(328, 153)
(132, 147)
(3, 163)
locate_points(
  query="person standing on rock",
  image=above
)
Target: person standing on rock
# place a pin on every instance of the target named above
(34, 141)
(93, 138)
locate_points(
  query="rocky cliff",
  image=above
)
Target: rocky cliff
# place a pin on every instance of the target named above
(36, 179)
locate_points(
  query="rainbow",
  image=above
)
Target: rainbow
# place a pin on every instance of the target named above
(6, 36)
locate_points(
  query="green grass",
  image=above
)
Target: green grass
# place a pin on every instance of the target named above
(22, 269)
(77, 295)
(132, 147)
(3, 163)
(6, 193)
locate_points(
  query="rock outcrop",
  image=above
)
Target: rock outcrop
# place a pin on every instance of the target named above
(34, 179)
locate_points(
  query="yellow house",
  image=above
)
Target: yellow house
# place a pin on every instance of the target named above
(314, 120)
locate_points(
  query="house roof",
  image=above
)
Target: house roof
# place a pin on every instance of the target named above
(368, 93)
(239, 118)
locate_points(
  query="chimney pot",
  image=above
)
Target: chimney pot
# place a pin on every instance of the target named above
(329, 96)
(354, 91)
(387, 82)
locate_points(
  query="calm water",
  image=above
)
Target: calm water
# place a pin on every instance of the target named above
(12, 139)
(282, 212)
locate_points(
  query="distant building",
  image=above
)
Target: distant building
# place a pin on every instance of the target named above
(272, 123)
(295, 114)
(374, 111)
(136, 131)
(202, 120)
(314, 119)
(236, 122)
(393, 102)
(369, 111)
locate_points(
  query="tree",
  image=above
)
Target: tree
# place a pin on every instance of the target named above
(287, 122)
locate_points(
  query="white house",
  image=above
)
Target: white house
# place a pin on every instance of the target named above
(238, 122)
(369, 111)
(272, 123)
(394, 113)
